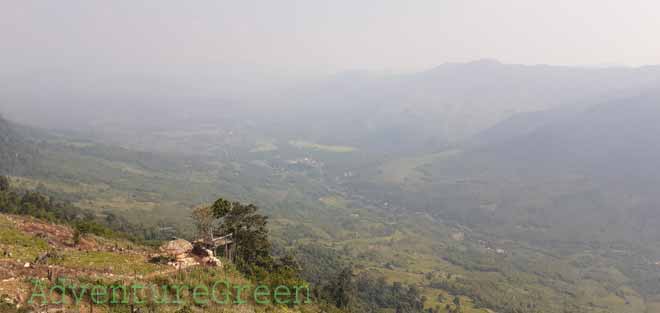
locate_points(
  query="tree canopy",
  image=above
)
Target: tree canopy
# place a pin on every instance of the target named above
(250, 233)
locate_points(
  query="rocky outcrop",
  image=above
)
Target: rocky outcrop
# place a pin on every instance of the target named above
(177, 248)
(185, 254)
(207, 257)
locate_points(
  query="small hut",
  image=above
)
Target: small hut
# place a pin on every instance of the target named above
(225, 244)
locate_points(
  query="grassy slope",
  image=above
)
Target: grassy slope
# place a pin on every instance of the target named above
(102, 265)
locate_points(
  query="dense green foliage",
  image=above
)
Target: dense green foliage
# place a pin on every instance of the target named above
(363, 293)
(253, 249)
(36, 204)
(249, 231)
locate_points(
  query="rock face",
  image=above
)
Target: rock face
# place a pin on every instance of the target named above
(177, 248)
(211, 261)
(207, 256)
(184, 262)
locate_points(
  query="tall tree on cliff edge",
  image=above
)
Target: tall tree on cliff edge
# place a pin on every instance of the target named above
(249, 232)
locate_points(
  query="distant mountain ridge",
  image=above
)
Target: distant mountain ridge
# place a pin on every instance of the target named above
(620, 134)
(447, 104)
(590, 174)
(422, 111)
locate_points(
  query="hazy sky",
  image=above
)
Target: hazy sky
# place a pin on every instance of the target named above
(323, 36)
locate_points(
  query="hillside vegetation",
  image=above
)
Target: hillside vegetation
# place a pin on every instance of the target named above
(544, 201)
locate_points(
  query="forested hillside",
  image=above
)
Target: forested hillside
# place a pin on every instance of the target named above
(543, 202)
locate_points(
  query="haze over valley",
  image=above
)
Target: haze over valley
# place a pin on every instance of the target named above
(429, 185)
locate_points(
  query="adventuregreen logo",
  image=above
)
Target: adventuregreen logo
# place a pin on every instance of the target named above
(220, 293)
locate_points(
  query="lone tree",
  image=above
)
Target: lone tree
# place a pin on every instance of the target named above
(250, 234)
(205, 221)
